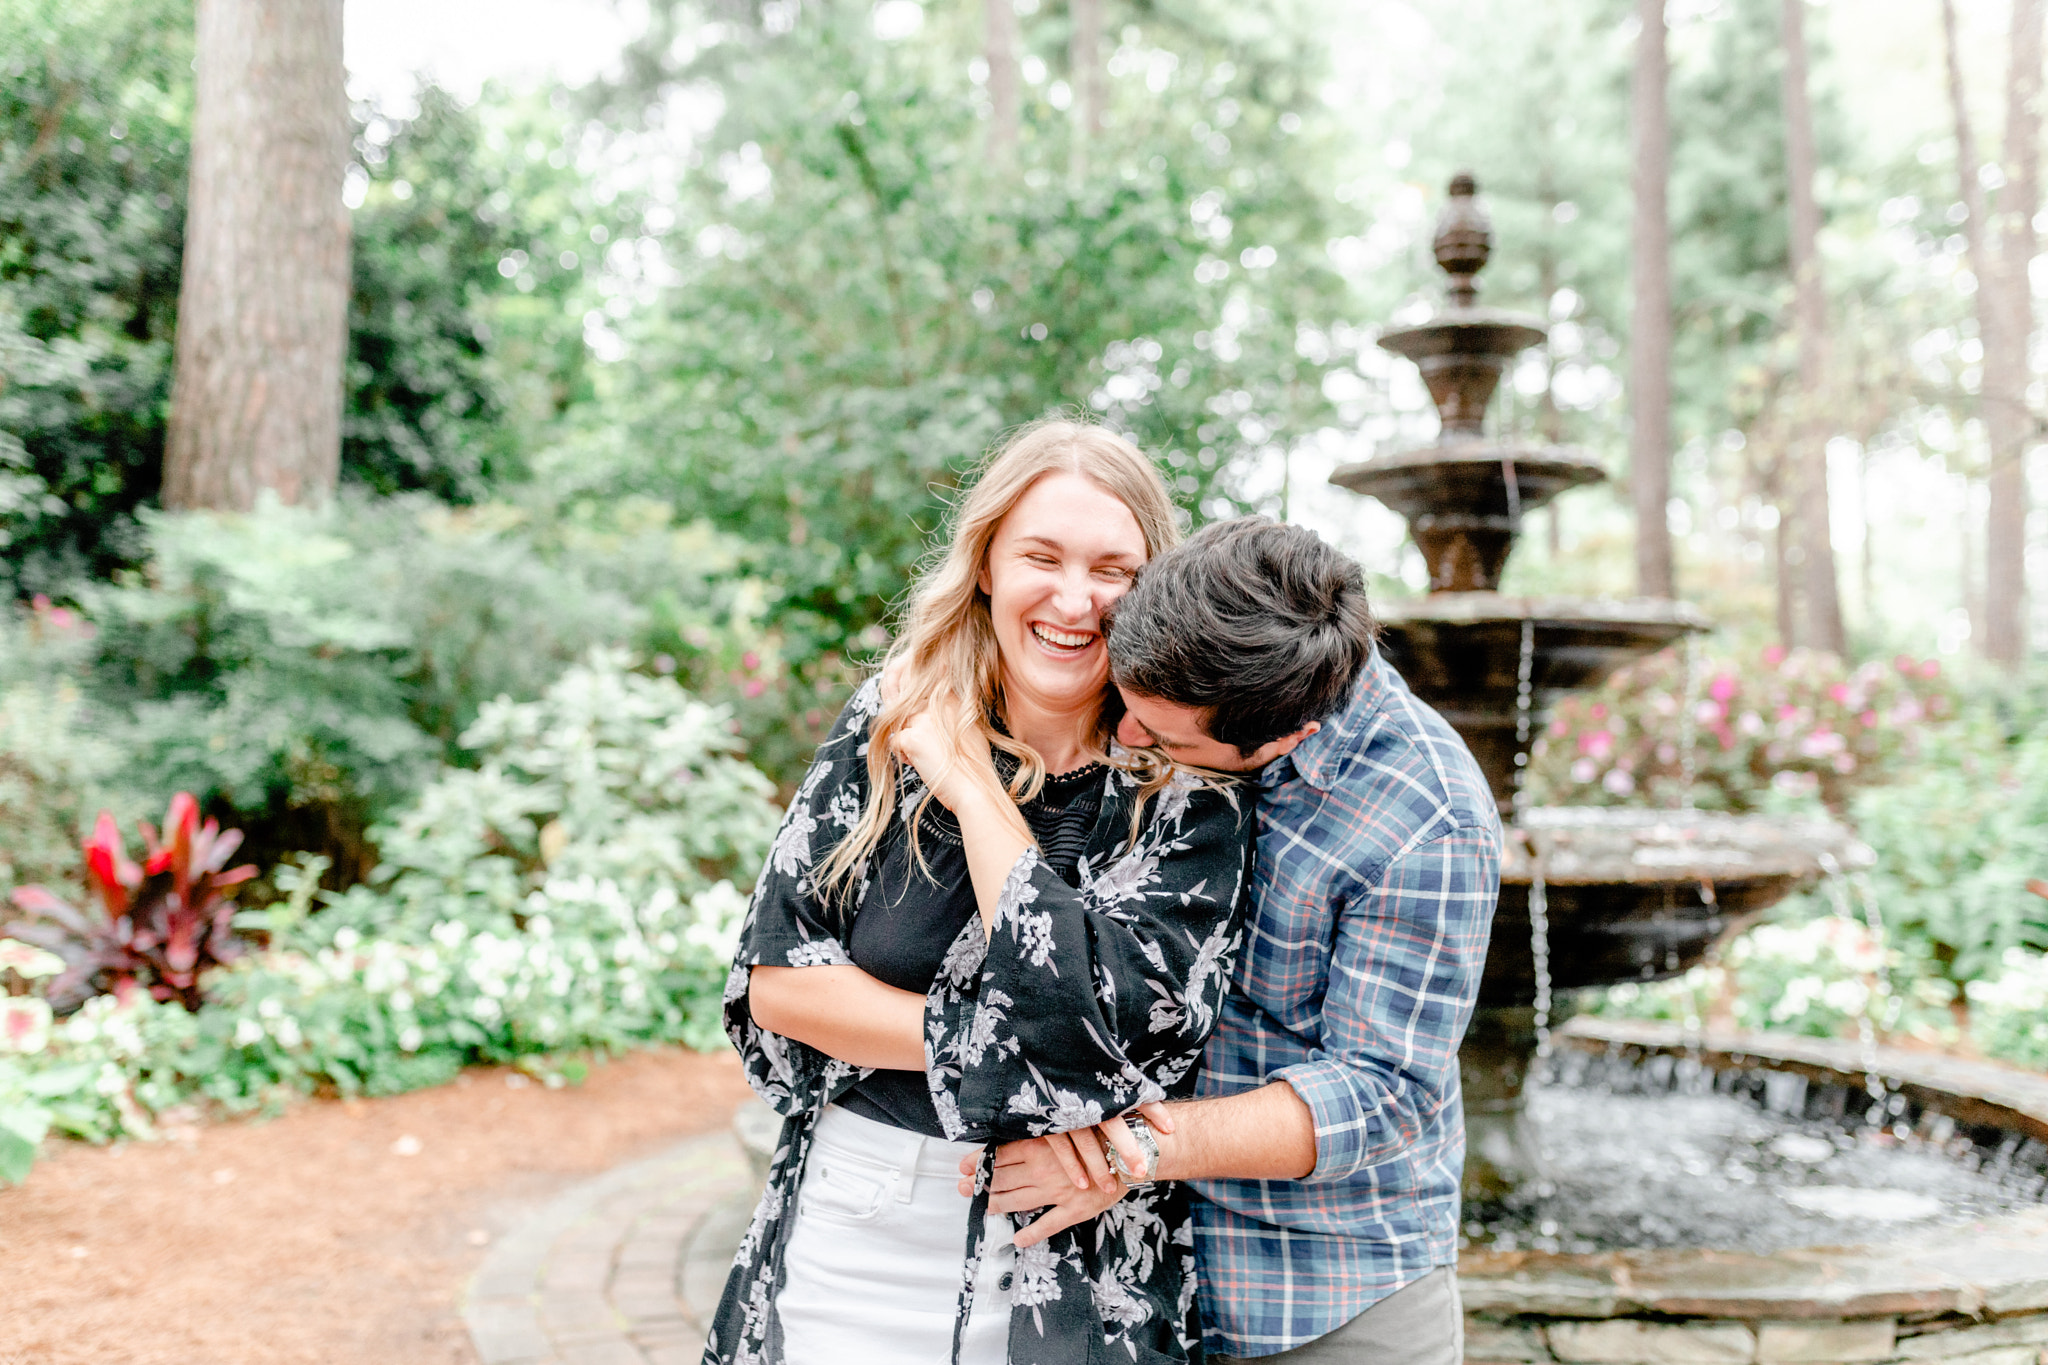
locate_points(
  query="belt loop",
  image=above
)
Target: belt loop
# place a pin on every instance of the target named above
(906, 1175)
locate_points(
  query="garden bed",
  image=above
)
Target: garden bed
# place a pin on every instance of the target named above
(340, 1233)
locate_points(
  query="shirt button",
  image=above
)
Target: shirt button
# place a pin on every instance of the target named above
(1005, 1282)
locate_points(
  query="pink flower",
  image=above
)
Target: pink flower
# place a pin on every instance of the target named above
(1839, 694)
(1869, 720)
(1599, 744)
(755, 687)
(750, 661)
(1774, 655)
(1598, 710)
(1722, 687)
(1931, 669)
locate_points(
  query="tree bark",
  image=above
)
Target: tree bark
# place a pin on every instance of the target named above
(1649, 443)
(2005, 316)
(1818, 584)
(256, 393)
(1084, 62)
(999, 48)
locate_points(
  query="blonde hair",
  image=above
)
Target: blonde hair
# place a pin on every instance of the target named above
(948, 642)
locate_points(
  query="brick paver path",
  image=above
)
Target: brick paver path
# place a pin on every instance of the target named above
(624, 1269)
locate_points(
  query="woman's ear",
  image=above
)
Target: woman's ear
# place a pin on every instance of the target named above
(983, 581)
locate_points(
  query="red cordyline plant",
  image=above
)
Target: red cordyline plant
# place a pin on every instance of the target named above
(158, 925)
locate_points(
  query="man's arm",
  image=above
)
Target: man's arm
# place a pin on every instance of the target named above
(1403, 974)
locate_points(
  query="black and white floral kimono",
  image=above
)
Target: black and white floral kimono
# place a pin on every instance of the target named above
(1087, 1001)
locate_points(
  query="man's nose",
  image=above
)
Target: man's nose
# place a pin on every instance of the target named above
(1130, 734)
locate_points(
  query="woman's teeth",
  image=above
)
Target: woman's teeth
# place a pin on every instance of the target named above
(1063, 641)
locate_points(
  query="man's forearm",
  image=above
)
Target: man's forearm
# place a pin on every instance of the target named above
(1263, 1134)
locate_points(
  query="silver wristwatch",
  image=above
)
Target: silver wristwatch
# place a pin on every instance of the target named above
(1141, 1131)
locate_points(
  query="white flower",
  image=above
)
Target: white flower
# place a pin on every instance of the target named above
(410, 1038)
(287, 1033)
(248, 1032)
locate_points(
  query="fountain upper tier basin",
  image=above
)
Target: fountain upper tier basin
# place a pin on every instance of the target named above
(1464, 500)
(1634, 895)
(1462, 653)
(1462, 354)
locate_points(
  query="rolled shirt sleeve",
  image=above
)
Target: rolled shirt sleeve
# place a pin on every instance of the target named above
(1404, 970)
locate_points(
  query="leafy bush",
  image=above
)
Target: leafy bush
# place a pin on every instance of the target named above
(303, 670)
(1766, 729)
(1957, 842)
(1823, 977)
(157, 926)
(575, 891)
(54, 767)
(2009, 1011)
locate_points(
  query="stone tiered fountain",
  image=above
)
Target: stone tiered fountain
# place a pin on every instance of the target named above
(1589, 896)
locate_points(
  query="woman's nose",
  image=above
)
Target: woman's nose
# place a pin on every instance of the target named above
(1073, 599)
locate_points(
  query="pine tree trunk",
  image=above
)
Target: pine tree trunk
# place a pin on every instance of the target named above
(999, 48)
(1809, 454)
(263, 303)
(1649, 445)
(2004, 293)
(1084, 62)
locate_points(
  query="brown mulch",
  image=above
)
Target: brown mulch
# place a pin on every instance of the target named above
(341, 1233)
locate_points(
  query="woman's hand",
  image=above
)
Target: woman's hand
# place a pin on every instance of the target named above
(953, 758)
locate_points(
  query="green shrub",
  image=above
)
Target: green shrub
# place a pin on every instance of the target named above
(55, 768)
(1956, 843)
(303, 671)
(1823, 977)
(574, 892)
(2009, 1011)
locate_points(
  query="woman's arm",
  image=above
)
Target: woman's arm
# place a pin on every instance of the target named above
(842, 1012)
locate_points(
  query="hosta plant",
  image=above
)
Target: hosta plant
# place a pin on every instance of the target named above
(157, 926)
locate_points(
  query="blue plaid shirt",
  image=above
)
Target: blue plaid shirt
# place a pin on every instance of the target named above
(1378, 868)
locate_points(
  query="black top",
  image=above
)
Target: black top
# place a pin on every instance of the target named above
(901, 937)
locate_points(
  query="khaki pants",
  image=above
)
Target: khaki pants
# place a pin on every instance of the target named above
(1421, 1323)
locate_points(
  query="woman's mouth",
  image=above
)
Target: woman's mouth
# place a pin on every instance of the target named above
(1063, 644)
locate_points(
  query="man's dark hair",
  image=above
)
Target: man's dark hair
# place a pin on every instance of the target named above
(1263, 626)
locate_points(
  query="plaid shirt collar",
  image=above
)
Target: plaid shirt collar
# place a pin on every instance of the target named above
(1316, 759)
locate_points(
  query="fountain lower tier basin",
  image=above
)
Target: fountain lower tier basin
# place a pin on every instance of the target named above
(1463, 653)
(1464, 500)
(1635, 895)
(1890, 1288)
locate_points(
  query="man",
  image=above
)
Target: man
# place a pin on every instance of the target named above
(1326, 1149)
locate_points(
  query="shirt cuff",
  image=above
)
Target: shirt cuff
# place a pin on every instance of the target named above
(1347, 1139)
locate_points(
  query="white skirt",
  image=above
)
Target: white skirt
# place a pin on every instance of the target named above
(876, 1255)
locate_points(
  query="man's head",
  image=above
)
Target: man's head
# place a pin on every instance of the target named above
(1234, 646)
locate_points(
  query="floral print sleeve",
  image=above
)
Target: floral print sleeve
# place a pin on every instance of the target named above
(788, 924)
(1090, 1000)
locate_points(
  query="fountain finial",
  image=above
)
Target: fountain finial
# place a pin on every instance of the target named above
(1464, 239)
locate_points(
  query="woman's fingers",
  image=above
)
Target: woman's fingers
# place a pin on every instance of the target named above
(1118, 1134)
(1062, 1148)
(1088, 1147)
(1158, 1115)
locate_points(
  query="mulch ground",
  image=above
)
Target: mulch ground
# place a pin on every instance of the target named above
(340, 1233)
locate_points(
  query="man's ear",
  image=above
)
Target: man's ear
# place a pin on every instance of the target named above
(1284, 745)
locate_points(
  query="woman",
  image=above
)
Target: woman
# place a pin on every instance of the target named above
(980, 923)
